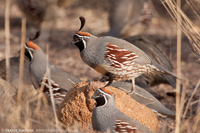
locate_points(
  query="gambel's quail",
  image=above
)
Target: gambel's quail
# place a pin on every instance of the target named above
(34, 10)
(106, 116)
(57, 80)
(134, 16)
(115, 58)
(147, 80)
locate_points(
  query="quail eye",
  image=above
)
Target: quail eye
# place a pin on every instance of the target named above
(77, 38)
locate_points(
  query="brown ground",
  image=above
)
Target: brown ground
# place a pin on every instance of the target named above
(78, 106)
(65, 56)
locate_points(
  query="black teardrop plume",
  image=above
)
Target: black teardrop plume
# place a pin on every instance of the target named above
(36, 36)
(82, 19)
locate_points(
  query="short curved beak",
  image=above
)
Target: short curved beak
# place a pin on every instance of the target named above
(93, 97)
(73, 43)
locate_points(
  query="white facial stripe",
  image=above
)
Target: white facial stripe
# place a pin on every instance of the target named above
(29, 50)
(79, 35)
(28, 47)
(104, 93)
(84, 43)
(106, 101)
(30, 54)
(83, 39)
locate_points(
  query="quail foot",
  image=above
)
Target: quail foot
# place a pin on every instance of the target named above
(57, 80)
(107, 117)
(115, 58)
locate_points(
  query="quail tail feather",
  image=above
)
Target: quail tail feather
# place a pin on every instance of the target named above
(171, 80)
(164, 70)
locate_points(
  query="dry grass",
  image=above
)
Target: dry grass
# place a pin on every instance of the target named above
(7, 35)
(18, 111)
(178, 82)
(184, 24)
(29, 114)
(21, 112)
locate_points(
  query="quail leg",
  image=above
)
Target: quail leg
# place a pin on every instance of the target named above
(110, 80)
(133, 87)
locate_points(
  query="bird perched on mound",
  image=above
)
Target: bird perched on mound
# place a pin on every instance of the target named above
(147, 80)
(106, 115)
(115, 58)
(57, 80)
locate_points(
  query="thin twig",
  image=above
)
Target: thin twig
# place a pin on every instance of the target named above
(21, 65)
(48, 73)
(194, 8)
(189, 101)
(196, 121)
(186, 24)
(178, 82)
(7, 35)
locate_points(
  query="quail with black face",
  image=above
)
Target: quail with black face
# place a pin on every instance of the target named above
(57, 80)
(115, 58)
(106, 116)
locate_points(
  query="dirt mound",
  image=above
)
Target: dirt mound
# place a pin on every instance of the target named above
(78, 106)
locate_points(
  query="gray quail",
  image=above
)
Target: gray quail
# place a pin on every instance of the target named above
(58, 80)
(34, 10)
(106, 116)
(147, 80)
(115, 58)
(134, 17)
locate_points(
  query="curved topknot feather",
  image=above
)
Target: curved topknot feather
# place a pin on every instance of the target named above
(36, 36)
(82, 19)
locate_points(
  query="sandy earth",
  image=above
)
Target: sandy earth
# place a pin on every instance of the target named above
(66, 56)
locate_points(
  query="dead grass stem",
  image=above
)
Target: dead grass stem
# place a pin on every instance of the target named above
(183, 24)
(186, 24)
(7, 35)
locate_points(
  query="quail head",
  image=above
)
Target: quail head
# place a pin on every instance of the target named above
(115, 58)
(106, 115)
(56, 80)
